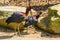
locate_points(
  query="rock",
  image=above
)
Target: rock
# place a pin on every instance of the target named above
(51, 23)
(54, 19)
(42, 22)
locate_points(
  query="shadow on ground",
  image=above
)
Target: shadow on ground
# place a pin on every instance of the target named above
(5, 37)
(5, 30)
(49, 35)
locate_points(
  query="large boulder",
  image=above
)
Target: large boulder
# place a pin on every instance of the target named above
(51, 23)
(54, 18)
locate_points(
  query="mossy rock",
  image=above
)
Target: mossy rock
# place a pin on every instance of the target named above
(41, 26)
(11, 25)
(51, 23)
(54, 19)
(42, 22)
(54, 27)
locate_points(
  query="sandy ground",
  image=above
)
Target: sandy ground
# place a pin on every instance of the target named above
(39, 35)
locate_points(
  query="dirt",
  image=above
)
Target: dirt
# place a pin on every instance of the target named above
(39, 35)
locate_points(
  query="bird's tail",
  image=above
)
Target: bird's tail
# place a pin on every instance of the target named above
(8, 20)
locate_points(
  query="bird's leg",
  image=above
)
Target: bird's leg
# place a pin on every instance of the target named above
(18, 30)
(28, 29)
(33, 29)
(15, 33)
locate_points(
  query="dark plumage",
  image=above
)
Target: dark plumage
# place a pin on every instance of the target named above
(32, 20)
(16, 17)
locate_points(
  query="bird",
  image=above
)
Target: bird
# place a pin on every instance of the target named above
(32, 20)
(16, 17)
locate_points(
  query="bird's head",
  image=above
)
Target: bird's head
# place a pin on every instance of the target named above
(23, 14)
